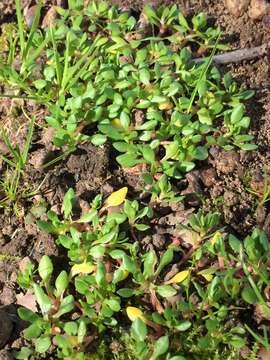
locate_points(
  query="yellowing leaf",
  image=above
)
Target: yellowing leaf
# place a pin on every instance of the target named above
(117, 197)
(117, 123)
(179, 277)
(83, 268)
(165, 106)
(216, 238)
(207, 273)
(134, 313)
(73, 340)
(207, 277)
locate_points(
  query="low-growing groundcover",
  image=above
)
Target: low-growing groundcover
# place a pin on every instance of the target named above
(111, 293)
(106, 76)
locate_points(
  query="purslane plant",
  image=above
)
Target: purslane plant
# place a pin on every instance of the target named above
(108, 282)
(134, 83)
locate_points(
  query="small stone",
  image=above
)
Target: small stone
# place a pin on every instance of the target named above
(49, 18)
(237, 7)
(29, 14)
(258, 9)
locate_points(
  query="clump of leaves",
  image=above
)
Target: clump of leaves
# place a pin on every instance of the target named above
(106, 76)
(109, 285)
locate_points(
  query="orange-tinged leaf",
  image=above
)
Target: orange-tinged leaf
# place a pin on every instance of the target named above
(179, 277)
(134, 313)
(83, 268)
(117, 197)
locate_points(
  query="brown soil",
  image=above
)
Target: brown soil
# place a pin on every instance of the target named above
(222, 183)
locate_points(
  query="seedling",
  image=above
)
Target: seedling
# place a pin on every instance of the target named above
(160, 190)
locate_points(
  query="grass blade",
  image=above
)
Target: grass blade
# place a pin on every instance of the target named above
(65, 77)
(20, 24)
(56, 59)
(32, 31)
(28, 141)
(15, 152)
(203, 72)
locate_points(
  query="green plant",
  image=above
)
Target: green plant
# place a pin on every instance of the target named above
(112, 80)
(160, 189)
(107, 280)
(104, 76)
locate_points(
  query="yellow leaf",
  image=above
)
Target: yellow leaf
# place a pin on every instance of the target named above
(83, 268)
(117, 197)
(216, 238)
(179, 277)
(165, 106)
(207, 277)
(134, 313)
(207, 273)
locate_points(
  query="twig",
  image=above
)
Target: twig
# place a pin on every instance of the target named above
(239, 55)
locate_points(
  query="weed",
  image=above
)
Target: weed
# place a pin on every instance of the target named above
(106, 77)
(191, 313)
(110, 71)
